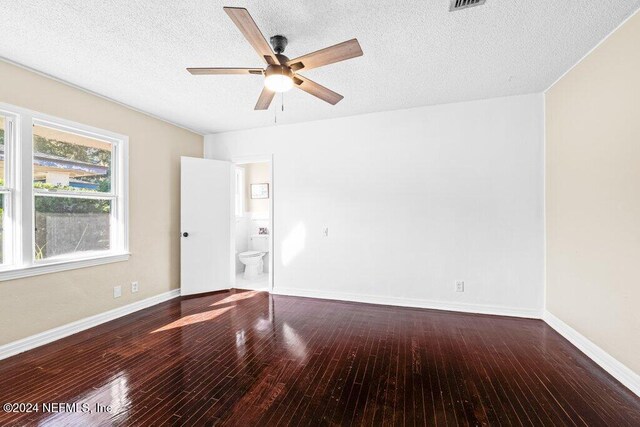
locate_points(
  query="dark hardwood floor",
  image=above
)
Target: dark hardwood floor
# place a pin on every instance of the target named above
(247, 358)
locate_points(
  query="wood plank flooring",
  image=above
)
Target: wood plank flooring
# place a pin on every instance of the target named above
(250, 359)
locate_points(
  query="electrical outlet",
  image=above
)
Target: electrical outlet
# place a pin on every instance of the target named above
(117, 291)
(460, 286)
(134, 287)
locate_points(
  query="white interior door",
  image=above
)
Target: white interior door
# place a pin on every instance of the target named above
(205, 221)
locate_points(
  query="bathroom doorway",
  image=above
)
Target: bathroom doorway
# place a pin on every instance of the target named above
(252, 236)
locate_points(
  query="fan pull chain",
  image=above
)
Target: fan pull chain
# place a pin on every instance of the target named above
(275, 109)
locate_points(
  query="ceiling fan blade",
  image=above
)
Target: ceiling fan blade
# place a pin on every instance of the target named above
(266, 96)
(329, 55)
(247, 26)
(317, 90)
(218, 70)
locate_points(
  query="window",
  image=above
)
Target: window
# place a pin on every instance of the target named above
(71, 207)
(239, 191)
(6, 187)
(73, 201)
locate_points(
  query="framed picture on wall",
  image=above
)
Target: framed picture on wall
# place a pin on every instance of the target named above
(260, 191)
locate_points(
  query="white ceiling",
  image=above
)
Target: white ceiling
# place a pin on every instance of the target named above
(415, 51)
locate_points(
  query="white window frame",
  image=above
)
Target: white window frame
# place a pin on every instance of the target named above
(9, 189)
(19, 182)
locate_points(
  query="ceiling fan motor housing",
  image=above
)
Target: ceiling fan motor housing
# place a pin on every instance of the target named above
(276, 69)
(279, 43)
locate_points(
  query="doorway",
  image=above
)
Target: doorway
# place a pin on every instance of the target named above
(252, 229)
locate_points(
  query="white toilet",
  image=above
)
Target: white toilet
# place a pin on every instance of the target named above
(252, 259)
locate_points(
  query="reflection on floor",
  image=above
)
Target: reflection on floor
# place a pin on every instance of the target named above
(259, 284)
(247, 358)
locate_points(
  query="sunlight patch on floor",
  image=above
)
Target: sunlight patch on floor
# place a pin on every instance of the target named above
(235, 297)
(194, 318)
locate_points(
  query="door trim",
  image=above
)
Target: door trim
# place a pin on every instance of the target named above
(258, 158)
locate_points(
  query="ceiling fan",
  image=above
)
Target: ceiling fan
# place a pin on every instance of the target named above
(281, 73)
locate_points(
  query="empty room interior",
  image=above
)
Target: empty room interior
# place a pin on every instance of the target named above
(319, 213)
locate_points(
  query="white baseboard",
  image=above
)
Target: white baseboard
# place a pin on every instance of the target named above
(415, 303)
(626, 376)
(54, 334)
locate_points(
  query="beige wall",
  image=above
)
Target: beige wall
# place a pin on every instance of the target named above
(593, 196)
(256, 173)
(32, 305)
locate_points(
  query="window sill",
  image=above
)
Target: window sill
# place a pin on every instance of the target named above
(54, 267)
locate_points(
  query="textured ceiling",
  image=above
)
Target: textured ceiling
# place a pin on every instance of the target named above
(415, 51)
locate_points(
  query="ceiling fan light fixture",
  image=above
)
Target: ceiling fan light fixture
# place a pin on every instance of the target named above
(281, 73)
(278, 78)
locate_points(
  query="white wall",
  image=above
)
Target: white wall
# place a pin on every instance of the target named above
(414, 200)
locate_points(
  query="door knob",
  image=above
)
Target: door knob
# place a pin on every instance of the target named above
(185, 234)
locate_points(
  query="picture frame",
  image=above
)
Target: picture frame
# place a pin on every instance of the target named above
(260, 191)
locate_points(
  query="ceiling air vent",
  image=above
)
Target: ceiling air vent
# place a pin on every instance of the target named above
(463, 4)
